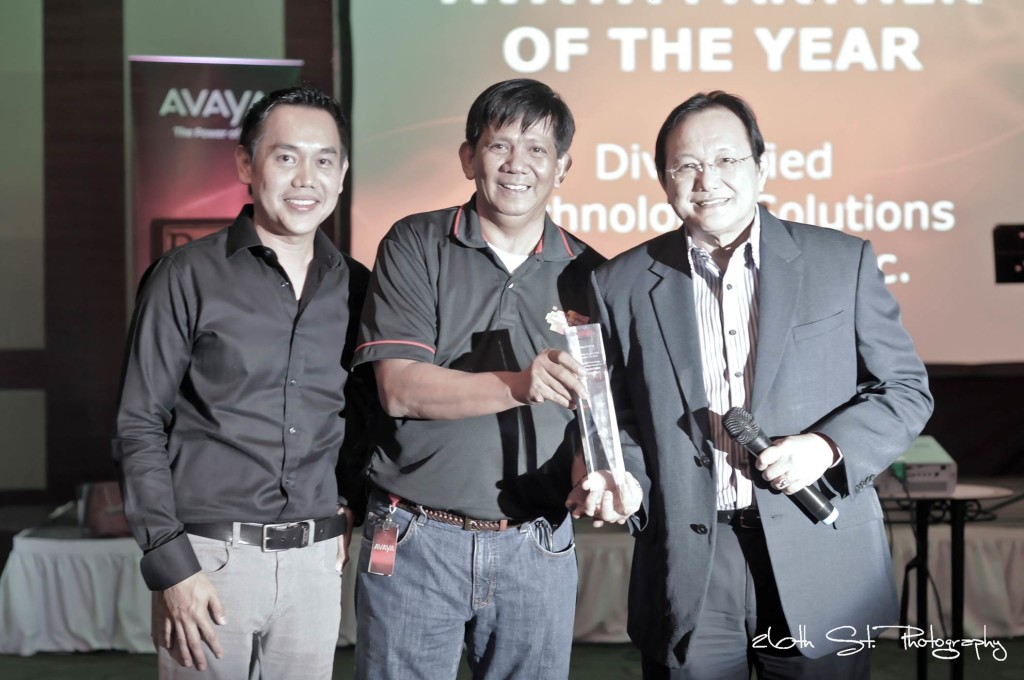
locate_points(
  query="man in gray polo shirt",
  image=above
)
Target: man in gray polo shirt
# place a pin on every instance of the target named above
(474, 467)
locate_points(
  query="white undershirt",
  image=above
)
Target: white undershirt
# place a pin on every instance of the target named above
(510, 260)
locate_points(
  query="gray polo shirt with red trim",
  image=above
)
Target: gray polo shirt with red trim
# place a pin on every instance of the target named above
(438, 294)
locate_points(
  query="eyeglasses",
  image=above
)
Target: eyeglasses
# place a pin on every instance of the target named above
(689, 171)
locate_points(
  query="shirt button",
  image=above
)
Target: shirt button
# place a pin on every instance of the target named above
(292, 430)
(511, 284)
(728, 286)
(732, 332)
(293, 381)
(738, 374)
(699, 528)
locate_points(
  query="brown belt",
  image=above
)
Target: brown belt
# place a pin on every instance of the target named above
(467, 523)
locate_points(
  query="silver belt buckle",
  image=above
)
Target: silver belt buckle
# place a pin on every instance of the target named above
(308, 526)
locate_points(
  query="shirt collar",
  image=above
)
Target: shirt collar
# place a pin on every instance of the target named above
(751, 248)
(242, 236)
(554, 244)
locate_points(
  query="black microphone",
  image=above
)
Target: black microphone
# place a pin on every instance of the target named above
(742, 427)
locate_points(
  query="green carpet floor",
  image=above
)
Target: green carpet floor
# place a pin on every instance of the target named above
(589, 662)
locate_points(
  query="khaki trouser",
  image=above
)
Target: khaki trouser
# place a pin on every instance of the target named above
(283, 610)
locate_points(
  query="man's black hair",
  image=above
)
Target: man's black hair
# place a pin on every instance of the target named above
(701, 102)
(524, 100)
(302, 94)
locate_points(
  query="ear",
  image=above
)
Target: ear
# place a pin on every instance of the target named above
(762, 172)
(663, 180)
(466, 153)
(562, 168)
(243, 164)
(341, 180)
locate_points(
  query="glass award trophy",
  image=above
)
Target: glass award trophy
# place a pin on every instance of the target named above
(596, 412)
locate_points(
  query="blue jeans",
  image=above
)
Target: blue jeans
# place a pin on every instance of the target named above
(509, 596)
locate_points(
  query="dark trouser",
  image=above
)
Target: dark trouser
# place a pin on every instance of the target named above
(742, 603)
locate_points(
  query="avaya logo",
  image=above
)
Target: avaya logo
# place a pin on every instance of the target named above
(206, 103)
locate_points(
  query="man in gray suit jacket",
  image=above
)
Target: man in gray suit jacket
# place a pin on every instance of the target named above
(794, 323)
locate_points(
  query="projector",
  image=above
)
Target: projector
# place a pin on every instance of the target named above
(924, 471)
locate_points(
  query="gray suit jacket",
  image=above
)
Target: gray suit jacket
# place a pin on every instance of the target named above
(832, 357)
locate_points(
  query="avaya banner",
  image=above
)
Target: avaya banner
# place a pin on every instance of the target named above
(186, 120)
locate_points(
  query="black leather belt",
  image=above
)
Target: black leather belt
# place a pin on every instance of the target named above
(744, 518)
(467, 523)
(273, 537)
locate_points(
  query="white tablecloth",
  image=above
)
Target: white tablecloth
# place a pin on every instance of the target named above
(604, 557)
(73, 594)
(993, 577)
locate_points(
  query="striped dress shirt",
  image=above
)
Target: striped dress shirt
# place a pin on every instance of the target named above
(727, 308)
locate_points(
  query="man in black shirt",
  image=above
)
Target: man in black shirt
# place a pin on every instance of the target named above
(476, 463)
(232, 408)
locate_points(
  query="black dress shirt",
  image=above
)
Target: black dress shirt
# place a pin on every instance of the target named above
(234, 393)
